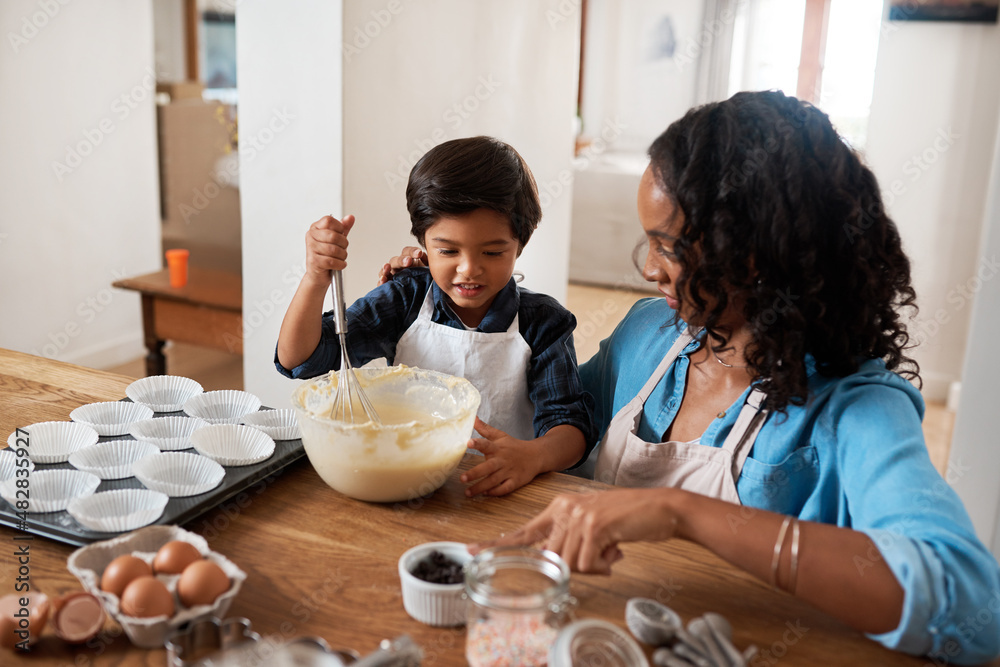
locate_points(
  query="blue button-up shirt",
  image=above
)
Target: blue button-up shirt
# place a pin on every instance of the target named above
(377, 321)
(853, 456)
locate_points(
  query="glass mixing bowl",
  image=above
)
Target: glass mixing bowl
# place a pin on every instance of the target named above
(427, 420)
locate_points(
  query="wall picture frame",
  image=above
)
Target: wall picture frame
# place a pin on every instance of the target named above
(965, 11)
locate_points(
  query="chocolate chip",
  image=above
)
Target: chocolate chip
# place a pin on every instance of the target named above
(439, 569)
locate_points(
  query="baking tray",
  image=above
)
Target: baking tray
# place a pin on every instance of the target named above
(62, 527)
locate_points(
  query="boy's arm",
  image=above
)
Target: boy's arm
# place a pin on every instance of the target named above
(375, 323)
(554, 384)
(511, 463)
(326, 251)
(302, 326)
(562, 408)
(561, 447)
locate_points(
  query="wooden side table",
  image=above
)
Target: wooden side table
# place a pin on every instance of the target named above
(208, 311)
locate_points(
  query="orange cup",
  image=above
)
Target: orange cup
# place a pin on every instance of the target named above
(177, 262)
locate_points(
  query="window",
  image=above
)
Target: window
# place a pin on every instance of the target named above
(822, 51)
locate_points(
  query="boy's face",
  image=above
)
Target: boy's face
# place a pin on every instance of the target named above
(471, 258)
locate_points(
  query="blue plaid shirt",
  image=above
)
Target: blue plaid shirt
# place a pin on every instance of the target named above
(377, 321)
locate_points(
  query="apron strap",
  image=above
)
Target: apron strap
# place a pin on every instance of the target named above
(682, 341)
(427, 307)
(744, 434)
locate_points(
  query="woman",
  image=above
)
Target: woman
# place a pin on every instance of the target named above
(762, 405)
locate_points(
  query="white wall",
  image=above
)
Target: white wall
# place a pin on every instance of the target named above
(509, 66)
(631, 93)
(506, 68)
(77, 82)
(975, 458)
(930, 141)
(289, 62)
(631, 75)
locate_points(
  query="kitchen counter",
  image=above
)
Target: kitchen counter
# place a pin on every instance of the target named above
(321, 564)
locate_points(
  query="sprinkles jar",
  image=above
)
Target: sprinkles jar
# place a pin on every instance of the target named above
(518, 601)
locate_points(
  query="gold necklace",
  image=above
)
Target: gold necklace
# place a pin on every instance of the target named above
(722, 414)
(728, 365)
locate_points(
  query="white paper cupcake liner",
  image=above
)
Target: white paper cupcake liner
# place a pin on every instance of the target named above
(112, 459)
(233, 444)
(167, 433)
(50, 490)
(88, 563)
(10, 464)
(163, 393)
(225, 406)
(110, 417)
(118, 510)
(53, 442)
(178, 473)
(279, 424)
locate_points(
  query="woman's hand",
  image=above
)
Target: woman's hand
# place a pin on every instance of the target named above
(326, 247)
(410, 257)
(510, 463)
(586, 529)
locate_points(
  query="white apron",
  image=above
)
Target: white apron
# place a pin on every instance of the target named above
(495, 363)
(624, 459)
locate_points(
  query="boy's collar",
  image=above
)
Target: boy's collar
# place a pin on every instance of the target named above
(497, 319)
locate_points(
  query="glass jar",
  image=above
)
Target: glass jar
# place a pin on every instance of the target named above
(518, 601)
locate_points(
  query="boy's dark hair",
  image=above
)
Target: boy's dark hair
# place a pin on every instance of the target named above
(462, 175)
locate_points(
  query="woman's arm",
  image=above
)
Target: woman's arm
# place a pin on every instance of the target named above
(587, 529)
(837, 567)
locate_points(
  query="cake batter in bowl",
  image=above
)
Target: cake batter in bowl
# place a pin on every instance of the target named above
(427, 420)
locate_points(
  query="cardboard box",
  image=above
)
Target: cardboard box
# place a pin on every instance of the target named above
(181, 90)
(199, 182)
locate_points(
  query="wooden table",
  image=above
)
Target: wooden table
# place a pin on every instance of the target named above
(321, 564)
(207, 311)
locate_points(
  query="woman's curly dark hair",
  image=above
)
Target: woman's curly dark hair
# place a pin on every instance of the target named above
(782, 219)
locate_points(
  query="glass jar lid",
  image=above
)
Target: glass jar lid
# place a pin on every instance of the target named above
(594, 642)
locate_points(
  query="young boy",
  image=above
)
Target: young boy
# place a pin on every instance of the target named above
(473, 206)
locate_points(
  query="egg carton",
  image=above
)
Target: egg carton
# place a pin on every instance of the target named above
(88, 563)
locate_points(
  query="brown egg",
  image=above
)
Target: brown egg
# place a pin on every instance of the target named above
(174, 556)
(146, 597)
(201, 582)
(121, 571)
(12, 633)
(77, 617)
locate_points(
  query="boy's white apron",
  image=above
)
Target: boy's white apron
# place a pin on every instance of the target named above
(495, 363)
(624, 459)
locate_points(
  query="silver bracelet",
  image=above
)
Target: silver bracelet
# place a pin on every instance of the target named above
(793, 572)
(778, 546)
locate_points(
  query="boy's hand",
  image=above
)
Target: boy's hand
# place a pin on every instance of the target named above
(326, 247)
(410, 257)
(510, 463)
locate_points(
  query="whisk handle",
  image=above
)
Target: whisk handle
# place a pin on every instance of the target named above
(337, 288)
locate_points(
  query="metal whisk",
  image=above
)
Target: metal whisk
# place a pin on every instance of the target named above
(348, 387)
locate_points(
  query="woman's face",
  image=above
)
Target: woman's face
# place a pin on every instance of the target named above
(661, 220)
